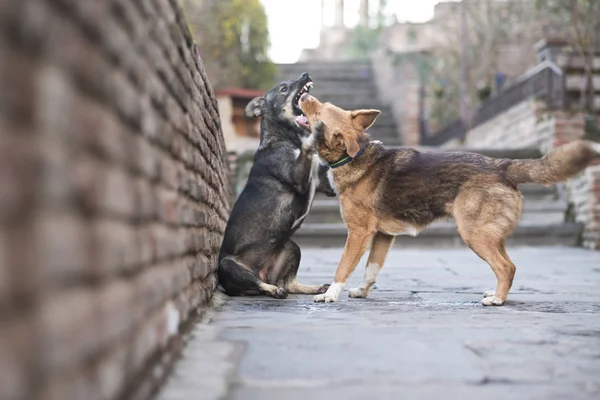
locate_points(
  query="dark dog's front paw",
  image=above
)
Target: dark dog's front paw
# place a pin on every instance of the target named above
(318, 127)
(323, 288)
(280, 293)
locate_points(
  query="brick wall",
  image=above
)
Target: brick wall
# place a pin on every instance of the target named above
(113, 195)
(529, 124)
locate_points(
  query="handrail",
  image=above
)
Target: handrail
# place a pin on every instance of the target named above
(544, 81)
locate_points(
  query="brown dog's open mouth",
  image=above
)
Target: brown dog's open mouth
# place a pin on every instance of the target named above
(301, 119)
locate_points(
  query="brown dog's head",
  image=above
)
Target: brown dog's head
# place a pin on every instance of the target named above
(342, 132)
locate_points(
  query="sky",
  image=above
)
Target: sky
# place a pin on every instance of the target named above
(295, 24)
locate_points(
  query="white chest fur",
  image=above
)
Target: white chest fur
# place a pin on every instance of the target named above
(313, 181)
(331, 180)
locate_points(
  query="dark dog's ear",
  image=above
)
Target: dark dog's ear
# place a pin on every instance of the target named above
(363, 119)
(255, 107)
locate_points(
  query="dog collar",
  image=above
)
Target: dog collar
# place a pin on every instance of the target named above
(346, 159)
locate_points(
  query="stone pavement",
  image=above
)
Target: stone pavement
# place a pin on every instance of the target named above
(422, 334)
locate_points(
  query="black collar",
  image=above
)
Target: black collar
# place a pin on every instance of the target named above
(346, 159)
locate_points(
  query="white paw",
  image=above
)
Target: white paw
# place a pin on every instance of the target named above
(488, 293)
(324, 298)
(358, 293)
(492, 301)
(331, 295)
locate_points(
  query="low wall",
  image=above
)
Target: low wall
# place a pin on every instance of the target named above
(529, 124)
(113, 195)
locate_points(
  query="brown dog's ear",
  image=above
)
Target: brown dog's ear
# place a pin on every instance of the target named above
(363, 119)
(351, 144)
(254, 108)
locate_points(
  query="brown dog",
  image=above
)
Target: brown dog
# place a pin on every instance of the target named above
(388, 192)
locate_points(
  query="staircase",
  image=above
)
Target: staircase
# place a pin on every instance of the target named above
(542, 224)
(349, 85)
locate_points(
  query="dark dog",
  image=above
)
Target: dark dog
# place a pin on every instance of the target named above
(258, 255)
(387, 192)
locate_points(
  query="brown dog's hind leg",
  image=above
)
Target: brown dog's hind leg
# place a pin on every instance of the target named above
(379, 249)
(492, 251)
(484, 220)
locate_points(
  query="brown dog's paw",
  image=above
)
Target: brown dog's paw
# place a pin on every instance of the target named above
(492, 301)
(280, 293)
(358, 293)
(323, 288)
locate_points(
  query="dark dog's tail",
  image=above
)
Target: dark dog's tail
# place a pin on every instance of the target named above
(557, 166)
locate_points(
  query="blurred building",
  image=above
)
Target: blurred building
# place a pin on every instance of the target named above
(241, 133)
(405, 49)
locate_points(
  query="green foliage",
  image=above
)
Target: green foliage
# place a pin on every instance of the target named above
(234, 39)
(362, 41)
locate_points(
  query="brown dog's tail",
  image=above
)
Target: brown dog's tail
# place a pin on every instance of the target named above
(557, 166)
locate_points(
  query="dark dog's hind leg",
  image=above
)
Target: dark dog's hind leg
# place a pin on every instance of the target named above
(237, 280)
(290, 259)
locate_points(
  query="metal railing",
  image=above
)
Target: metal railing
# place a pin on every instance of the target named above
(545, 81)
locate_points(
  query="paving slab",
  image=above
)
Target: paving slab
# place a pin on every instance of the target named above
(421, 334)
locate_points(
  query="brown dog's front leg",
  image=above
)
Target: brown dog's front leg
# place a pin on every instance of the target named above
(356, 245)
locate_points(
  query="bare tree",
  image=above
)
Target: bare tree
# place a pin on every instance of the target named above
(578, 22)
(472, 47)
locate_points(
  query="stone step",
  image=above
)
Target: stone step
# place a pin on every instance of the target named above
(339, 88)
(318, 76)
(349, 99)
(348, 85)
(355, 103)
(328, 211)
(336, 70)
(444, 234)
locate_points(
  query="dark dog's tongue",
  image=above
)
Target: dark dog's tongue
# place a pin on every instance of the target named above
(302, 121)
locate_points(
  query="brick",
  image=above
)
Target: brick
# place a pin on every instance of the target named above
(22, 261)
(103, 133)
(145, 160)
(114, 248)
(168, 210)
(17, 78)
(150, 339)
(71, 329)
(116, 305)
(111, 372)
(152, 124)
(19, 172)
(169, 173)
(145, 200)
(104, 189)
(63, 245)
(76, 384)
(199, 266)
(17, 357)
(4, 272)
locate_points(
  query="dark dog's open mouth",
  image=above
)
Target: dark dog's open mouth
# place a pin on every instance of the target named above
(301, 119)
